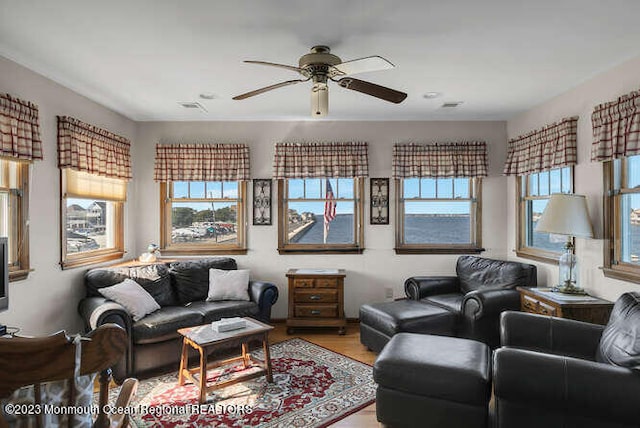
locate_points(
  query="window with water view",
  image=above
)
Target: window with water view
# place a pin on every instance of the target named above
(438, 214)
(206, 216)
(305, 205)
(623, 209)
(534, 193)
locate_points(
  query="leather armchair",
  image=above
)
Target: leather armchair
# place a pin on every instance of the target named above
(480, 291)
(556, 372)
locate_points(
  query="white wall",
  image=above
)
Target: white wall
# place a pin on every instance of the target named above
(47, 301)
(579, 101)
(368, 274)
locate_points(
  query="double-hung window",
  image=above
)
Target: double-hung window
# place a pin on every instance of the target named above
(438, 197)
(21, 145)
(14, 197)
(542, 161)
(321, 214)
(95, 166)
(320, 188)
(622, 218)
(534, 191)
(202, 198)
(203, 216)
(617, 144)
(439, 215)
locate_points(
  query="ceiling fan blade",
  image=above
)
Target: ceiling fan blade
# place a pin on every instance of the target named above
(272, 64)
(267, 88)
(372, 89)
(362, 65)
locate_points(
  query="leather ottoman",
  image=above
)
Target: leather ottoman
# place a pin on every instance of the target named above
(380, 321)
(433, 381)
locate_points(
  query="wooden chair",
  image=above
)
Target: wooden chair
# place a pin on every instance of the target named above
(33, 361)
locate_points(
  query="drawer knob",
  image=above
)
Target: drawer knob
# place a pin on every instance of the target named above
(315, 297)
(315, 312)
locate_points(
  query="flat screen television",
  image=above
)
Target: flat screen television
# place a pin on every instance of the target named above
(4, 274)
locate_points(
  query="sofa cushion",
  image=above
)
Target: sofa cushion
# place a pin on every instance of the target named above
(191, 278)
(213, 311)
(478, 272)
(154, 279)
(620, 340)
(164, 323)
(450, 301)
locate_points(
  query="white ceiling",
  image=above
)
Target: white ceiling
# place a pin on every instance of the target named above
(141, 57)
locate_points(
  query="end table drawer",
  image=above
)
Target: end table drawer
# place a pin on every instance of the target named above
(316, 311)
(326, 283)
(303, 283)
(316, 296)
(537, 307)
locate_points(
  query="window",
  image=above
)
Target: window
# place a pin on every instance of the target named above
(203, 217)
(301, 216)
(93, 218)
(534, 191)
(622, 218)
(438, 215)
(14, 199)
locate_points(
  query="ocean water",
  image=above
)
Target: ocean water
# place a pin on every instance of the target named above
(418, 229)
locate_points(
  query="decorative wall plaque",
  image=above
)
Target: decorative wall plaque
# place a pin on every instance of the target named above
(379, 188)
(262, 202)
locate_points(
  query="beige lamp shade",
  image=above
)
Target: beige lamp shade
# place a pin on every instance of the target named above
(566, 215)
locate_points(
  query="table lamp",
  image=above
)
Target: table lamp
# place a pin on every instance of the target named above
(567, 214)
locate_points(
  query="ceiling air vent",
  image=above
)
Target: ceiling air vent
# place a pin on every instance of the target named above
(193, 105)
(451, 104)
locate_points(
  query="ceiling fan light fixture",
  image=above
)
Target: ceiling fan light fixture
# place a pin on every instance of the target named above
(319, 99)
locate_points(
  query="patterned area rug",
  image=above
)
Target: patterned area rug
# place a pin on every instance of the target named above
(313, 387)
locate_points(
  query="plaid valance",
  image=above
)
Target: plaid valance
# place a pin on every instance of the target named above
(201, 162)
(553, 146)
(616, 128)
(319, 160)
(440, 160)
(87, 148)
(19, 129)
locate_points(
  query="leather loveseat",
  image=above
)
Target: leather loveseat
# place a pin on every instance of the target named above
(180, 288)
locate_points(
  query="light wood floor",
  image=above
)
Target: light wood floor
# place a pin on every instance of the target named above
(348, 345)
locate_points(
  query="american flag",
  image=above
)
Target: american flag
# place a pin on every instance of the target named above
(329, 209)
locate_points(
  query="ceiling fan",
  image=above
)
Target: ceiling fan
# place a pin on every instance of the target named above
(320, 66)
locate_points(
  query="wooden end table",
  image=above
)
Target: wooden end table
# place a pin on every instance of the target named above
(544, 301)
(203, 338)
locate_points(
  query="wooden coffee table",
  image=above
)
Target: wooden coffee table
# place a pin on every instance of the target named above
(203, 338)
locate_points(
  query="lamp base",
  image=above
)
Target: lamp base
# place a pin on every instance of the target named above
(569, 288)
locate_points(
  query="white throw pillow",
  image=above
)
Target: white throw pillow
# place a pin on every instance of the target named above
(228, 285)
(133, 297)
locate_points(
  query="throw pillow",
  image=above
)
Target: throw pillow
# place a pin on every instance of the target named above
(620, 340)
(228, 285)
(133, 297)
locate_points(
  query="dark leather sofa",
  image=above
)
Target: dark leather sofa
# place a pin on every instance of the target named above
(560, 373)
(180, 288)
